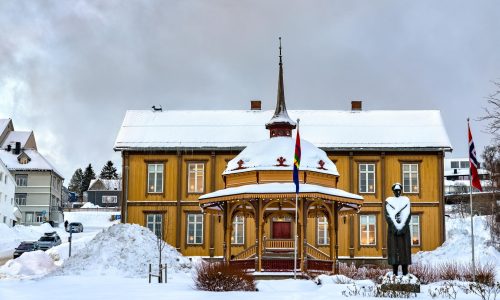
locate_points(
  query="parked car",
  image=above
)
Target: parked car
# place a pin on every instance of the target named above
(25, 247)
(49, 240)
(75, 227)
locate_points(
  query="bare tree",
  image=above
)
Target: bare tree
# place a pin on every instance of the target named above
(493, 111)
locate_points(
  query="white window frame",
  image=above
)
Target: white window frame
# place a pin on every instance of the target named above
(366, 220)
(415, 229)
(154, 222)
(365, 174)
(238, 234)
(107, 197)
(412, 174)
(154, 174)
(25, 198)
(194, 225)
(39, 217)
(322, 231)
(195, 176)
(23, 180)
(29, 216)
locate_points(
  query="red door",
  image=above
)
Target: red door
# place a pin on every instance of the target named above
(282, 230)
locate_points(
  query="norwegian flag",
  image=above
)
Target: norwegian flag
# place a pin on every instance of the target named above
(473, 163)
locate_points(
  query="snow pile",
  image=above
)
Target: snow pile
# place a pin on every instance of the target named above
(90, 205)
(123, 249)
(29, 264)
(11, 237)
(457, 246)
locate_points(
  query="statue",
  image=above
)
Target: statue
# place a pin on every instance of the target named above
(397, 214)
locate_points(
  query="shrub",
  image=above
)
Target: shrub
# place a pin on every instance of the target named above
(485, 274)
(222, 277)
(451, 271)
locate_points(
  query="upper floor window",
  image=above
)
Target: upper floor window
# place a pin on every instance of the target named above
(23, 160)
(415, 230)
(196, 177)
(155, 223)
(195, 228)
(455, 164)
(323, 237)
(367, 178)
(155, 178)
(238, 236)
(1, 176)
(410, 178)
(22, 180)
(21, 199)
(368, 230)
(464, 164)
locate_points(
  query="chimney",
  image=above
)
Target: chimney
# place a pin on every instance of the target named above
(17, 150)
(356, 105)
(9, 147)
(255, 105)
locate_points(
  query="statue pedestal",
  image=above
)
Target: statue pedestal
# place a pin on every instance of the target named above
(401, 283)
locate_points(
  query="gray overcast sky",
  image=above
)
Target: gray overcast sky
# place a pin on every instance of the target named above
(70, 69)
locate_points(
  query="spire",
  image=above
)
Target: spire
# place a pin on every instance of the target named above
(280, 124)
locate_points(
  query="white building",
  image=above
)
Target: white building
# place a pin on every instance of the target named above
(9, 211)
(38, 190)
(456, 175)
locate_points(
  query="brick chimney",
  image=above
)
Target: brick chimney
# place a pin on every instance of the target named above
(255, 105)
(357, 105)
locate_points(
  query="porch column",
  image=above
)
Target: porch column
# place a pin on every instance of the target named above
(336, 228)
(258, 235)
(224, 225)
(331, 231)
(229, 229)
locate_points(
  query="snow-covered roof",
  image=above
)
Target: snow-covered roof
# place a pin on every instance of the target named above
(108, 184)
(327, 129)
(37, 162)
(16, 136)
(280, 188)
(3, 124)
(264, 155)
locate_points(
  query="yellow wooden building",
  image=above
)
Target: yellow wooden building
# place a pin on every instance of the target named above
(187, 178)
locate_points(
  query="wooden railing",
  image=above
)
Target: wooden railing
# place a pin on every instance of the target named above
(316, 253)
(247, 253)
(279, 244)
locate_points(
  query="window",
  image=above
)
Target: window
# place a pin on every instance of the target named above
(195, 229)
(155, 178)
(323, 237)
(21, 199)
(23, 160)
(367, 178)
(464, 165)
(196, 174)
(410, 178)
(455, 164)
(1, 176)
(39, 217)
(155, 223)
(415, 230)
(109, 199)
(238, 236)
(367, 230)
(22, 180)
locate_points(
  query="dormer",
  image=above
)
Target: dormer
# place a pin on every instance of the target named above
(23, 158)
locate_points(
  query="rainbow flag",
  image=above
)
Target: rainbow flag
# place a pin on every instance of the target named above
(296, 162)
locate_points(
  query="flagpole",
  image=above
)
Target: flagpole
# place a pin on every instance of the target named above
(296, 227)
(471, 214)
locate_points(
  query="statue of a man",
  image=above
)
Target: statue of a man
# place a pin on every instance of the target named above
(397, 214)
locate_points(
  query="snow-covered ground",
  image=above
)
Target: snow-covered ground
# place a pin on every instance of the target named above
(110, 262)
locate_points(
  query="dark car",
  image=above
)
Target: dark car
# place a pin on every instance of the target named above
(25, 247)
(49, 240)
(75, 227)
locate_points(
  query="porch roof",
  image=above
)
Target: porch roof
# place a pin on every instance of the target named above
(280, 190)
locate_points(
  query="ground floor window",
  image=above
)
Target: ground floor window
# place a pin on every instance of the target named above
(28, 217)
(368, 230)
(109, 199)
(155, 223)
(195, 229)
(238, 236)
(323, 237)
(38, 217)
(415, 230)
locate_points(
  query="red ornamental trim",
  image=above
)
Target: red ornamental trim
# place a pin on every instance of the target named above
(240, 165)
(321, 165)
(281, 162)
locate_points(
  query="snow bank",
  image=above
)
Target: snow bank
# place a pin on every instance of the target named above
(29, 264)
(457, 246)
(11, 237)
(123, 249)
(91, 218)
(90, 205)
